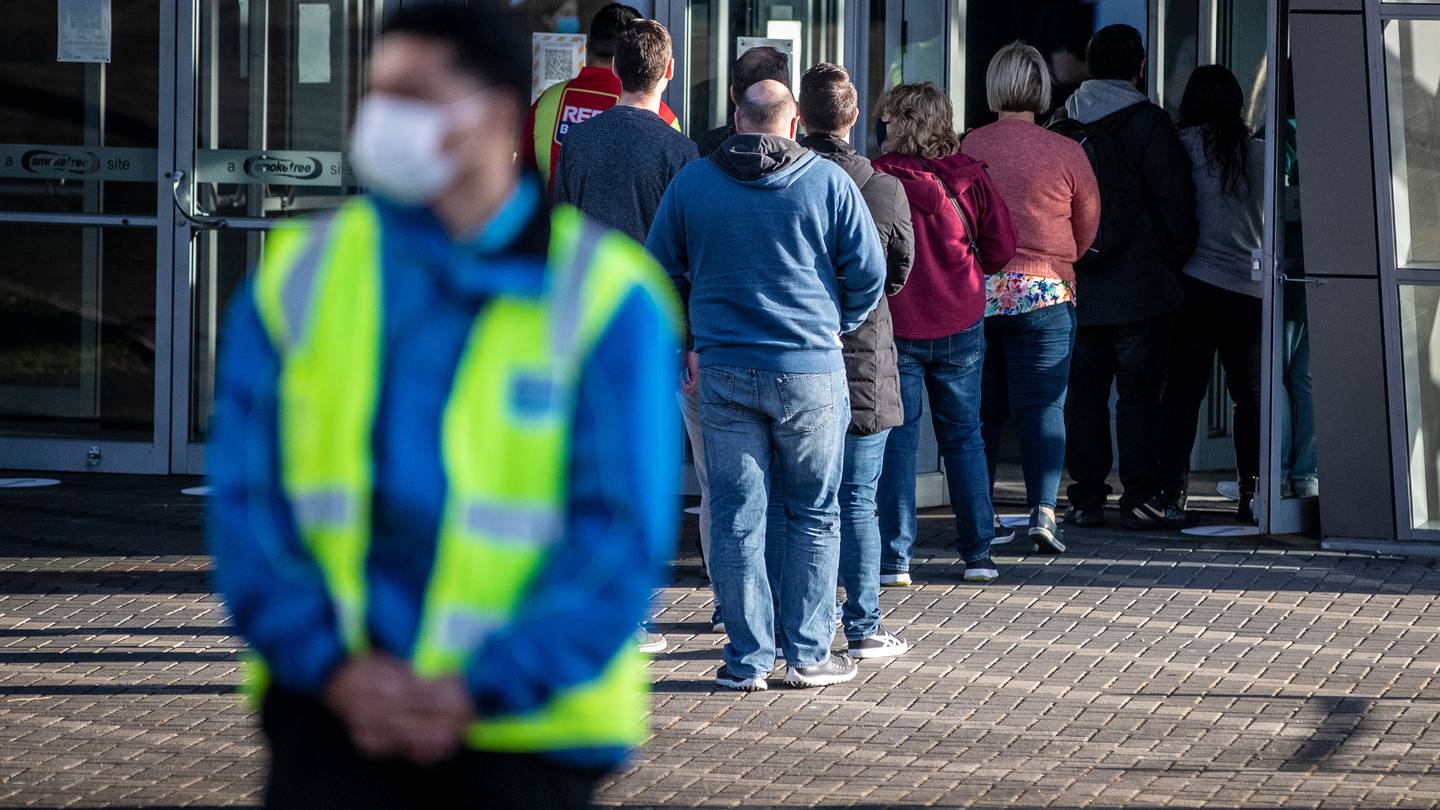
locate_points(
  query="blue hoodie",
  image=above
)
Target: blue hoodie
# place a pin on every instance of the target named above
(775, 253)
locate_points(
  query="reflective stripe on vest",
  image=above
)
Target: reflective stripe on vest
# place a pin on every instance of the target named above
(505, 448)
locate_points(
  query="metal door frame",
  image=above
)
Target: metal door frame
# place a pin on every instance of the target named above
(63, 454)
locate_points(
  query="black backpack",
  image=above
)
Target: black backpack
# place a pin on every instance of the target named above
(1122, 196)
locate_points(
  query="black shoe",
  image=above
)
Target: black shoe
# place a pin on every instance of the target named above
(1046, 536)
(1245, 512)
(1085, 518)
(1151, 515)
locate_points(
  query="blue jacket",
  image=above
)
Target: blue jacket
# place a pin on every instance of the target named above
(775, 253)
(622, 513)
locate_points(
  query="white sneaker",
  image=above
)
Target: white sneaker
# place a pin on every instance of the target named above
(649, 642)
(881, 644)
(895, 580)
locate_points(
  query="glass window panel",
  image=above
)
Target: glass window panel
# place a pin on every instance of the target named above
(714, 30)
(1420, 344)
(907, 44)
(77, 351)
(78, 137)
(1412, 83)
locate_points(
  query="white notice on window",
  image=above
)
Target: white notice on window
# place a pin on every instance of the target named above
(313, 47)
(555, 58)
(84, 31)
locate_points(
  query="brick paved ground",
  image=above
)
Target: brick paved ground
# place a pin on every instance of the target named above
(1135, 671)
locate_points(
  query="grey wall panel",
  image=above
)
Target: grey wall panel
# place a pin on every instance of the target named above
(1351, 418)
(1337, 180)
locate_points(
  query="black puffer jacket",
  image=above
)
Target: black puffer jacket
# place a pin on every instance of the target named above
(871, 364)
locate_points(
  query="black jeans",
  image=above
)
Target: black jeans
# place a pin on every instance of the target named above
(1213, 320)
(1132, 357)
(314, 765)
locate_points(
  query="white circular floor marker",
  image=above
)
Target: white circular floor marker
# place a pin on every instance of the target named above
(201, 491)
(1222, 531)
(27, 483)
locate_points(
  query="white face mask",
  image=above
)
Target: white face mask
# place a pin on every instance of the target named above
(397, 147)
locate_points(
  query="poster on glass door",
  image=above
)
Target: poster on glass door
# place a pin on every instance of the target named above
(83, 31)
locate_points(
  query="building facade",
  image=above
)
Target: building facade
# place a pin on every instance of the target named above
(147, 147)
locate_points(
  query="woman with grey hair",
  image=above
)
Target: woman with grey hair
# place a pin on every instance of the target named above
(1047, 182)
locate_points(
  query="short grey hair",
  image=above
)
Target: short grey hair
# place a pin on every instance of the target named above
(1018, 80)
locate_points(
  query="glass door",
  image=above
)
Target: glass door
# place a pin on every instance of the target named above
(264, 117)
(715, 32)
(85, 119)
(1288, 497)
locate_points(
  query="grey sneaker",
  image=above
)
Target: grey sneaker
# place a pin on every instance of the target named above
(838, 668)
(649, 642)
(881, 644)
(730, 680)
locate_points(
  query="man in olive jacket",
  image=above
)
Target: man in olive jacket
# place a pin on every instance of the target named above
(829, 111)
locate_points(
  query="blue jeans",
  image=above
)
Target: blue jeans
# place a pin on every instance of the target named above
(859, 534)
(949, 369)
(1027, 372)
(799, 420)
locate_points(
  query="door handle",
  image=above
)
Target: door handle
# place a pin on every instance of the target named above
(1318, 282)
(195, 220)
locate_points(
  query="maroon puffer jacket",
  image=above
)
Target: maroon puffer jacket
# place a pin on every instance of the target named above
(946, 291)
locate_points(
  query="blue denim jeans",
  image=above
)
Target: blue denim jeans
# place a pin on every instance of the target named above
(859, 533)
(1027, 372)
(750, 417)
(949, 369)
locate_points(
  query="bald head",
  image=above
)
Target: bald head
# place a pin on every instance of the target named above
(766, 108)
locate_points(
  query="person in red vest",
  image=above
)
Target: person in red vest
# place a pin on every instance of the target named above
(594, 91)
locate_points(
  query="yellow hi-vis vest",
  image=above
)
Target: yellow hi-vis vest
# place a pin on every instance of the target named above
(318, 292)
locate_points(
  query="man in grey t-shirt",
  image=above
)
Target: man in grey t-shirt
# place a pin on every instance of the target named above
(616, 166)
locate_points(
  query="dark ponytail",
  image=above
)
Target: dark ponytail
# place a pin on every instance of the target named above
(1215, 103)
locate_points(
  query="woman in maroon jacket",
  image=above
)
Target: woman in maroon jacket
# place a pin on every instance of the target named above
(963, 233)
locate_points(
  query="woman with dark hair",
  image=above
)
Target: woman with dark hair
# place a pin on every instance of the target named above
(1222, 302)
(963, 233)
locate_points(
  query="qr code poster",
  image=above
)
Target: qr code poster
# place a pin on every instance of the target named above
(555, 58)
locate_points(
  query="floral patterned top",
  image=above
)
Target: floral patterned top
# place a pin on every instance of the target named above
(1017, 293)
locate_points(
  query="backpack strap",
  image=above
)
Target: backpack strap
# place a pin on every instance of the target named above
(971, 238)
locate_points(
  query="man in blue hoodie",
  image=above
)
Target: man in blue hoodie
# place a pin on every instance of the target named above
(775, 252)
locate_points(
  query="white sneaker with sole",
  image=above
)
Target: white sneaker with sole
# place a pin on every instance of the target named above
(895, 580)
(881, 644)
(649, 642)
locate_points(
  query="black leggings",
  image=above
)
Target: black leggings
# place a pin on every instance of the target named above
(1213, 320)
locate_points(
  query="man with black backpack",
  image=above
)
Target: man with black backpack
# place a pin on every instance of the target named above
(1128, 285)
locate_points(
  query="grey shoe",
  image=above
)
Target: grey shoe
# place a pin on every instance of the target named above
(838, 668)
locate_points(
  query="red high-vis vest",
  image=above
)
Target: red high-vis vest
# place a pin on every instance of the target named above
(562, 106)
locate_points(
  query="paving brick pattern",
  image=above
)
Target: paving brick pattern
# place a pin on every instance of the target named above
(1134, 671)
